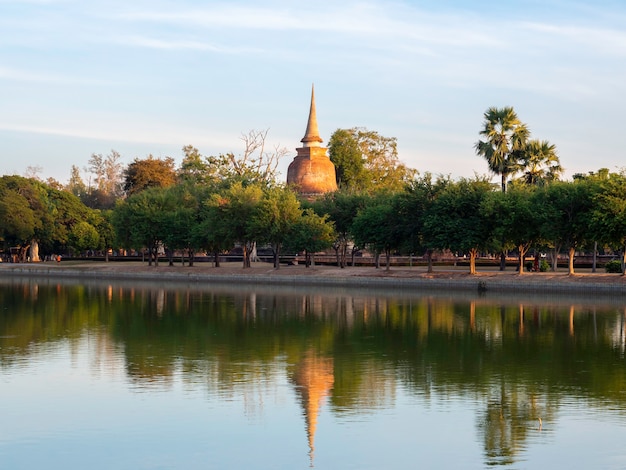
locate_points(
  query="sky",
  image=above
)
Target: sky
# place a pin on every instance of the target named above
(147, 77)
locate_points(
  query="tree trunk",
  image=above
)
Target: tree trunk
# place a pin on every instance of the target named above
(572, 252)
(503, 260)
(246, 259)
(170, 257)
(595, 257)
(429, 256)
(388, 259)
(554, 254)
(377, 260)
(472, 261)
(624, 260)
(520, 262)
(216, 258)
(192, 255)
(276, 249)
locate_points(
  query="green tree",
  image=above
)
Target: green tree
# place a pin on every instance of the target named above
(83, 236)
(570, 207)
(235, 209)
(505, 138)
(609, 213)
(412, 205)
(139, 221)
(344, 152)
(17, 220)
(518, 219)
(455, 221)
(540, 163)
(278, 211)
(377, 227)
(366, 161)
(341, 208)
(179, 223)
(309, 234)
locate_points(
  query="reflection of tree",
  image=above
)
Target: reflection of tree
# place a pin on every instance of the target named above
(361, 347)
(510, 414)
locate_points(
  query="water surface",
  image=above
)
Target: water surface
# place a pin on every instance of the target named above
(180, 376)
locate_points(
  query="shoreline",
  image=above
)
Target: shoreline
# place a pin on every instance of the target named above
(261, 273)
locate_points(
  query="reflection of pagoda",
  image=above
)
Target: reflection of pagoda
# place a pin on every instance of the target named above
(311, 172)
(314, 378)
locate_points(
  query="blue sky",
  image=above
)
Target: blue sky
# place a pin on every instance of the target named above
(148, 77)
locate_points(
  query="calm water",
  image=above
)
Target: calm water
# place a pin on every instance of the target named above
(104, 376)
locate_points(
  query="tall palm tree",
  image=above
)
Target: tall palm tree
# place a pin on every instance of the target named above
(505, 139)
(541, 163)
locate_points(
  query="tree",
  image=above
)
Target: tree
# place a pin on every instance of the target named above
(570, 212)
(235, 209)
(376, 226)
(18, 220)
(149, 173)
(179, 223)
(366, 161)
(139, 220)
(540, 163)
(83, 236)
(108, 172)
(505, 140)
(517, 219)
(310, 233)
(412, 206)
(278, 211)
(341, 208)
(256, 164)
(344, 152)
(76, 185)
(609, 213)
(455, 221)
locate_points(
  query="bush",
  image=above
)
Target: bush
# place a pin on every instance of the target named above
(613, 266)
(544, 266)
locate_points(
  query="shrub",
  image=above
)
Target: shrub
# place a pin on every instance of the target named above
(544, 266)
(613, 266)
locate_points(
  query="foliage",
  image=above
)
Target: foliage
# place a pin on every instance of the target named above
(540, 163)
(613, 266)
(235, 209)
(366, 161)
(149, 172)
(272, 223)
(516, 218)
(455, 220)
(376, 227)
(505, 138)
(309, 234)
(341, 208)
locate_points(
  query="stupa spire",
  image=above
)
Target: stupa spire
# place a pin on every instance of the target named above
(312, 135)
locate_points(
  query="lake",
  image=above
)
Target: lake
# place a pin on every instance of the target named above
(104, 375)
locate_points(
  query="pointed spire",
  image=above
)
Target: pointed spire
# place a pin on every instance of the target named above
(312, 136)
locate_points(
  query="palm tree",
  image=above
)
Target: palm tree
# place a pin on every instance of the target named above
(541, 163)
(505, 139)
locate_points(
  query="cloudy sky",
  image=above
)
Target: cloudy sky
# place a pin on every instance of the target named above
(150, 76)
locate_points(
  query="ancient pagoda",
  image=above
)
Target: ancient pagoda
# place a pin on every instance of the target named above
(311, 173)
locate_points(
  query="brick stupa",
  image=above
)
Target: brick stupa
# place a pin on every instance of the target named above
(311, 172)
